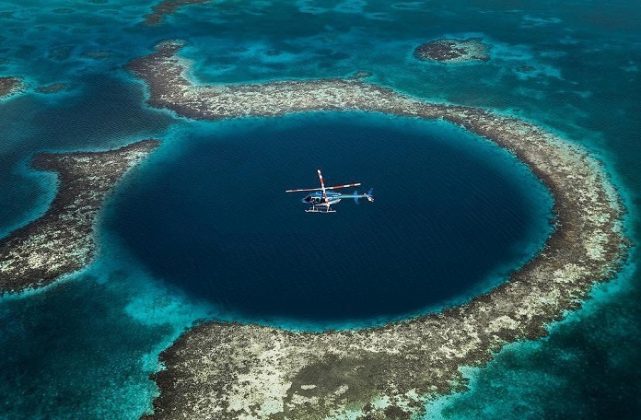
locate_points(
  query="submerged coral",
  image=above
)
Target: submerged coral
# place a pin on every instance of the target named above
(453, 51)
(167, 7)
(10, 86)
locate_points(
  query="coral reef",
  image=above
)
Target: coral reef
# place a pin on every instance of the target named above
(61, 241)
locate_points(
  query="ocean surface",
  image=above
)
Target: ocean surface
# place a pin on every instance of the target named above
(200, 230)
(210, 216)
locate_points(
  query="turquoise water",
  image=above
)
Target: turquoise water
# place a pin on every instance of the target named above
(104, 327)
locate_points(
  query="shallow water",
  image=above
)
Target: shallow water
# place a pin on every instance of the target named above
(103, 329)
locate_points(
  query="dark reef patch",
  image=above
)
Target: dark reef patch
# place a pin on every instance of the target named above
(10, 86)
(52, 88)
(167, 7)
(453, 51)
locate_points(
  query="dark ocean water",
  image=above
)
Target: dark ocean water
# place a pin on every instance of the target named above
(84, 348)
(212, 218)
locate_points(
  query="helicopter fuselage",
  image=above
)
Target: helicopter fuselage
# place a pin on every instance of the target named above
(316, 198)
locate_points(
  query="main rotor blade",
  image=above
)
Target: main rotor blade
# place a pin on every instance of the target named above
(320, 176)
(303, 189)
(335, 187)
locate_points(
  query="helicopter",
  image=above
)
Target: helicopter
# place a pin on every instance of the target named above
(321, 199)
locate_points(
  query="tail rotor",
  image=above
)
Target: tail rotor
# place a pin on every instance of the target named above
(369, 196)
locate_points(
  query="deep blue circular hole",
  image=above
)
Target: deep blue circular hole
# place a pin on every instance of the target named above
(212, 217)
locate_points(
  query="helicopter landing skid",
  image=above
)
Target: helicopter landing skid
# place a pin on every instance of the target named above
(317, 210)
